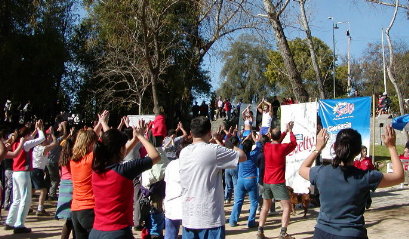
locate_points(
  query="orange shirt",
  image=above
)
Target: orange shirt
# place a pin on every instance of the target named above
(81, 173)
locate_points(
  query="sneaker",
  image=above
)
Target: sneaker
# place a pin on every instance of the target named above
(285, 236)
(8, 227)
(260, 235)
(42, 213)
(18, 230)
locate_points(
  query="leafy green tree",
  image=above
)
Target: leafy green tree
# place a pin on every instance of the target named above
(299, 49)
(243, 72)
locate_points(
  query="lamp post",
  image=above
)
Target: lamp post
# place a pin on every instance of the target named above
(334, 26)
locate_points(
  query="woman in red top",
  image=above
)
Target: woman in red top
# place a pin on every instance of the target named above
(364, 163)
(112, 182)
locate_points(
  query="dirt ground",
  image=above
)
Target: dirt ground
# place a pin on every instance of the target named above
(387, 218)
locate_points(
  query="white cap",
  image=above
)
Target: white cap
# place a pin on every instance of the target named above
(384, 93)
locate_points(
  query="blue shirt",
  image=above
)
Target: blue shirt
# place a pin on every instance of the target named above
(344, 192)
(248, 168)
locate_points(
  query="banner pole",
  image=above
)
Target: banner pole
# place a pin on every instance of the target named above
(373, 129)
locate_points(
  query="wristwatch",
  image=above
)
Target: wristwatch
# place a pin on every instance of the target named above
(315, 150)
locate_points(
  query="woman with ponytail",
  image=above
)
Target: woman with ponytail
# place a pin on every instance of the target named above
(112, 182)
(345, 189)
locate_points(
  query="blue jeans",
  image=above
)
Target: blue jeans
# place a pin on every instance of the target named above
(210, 233)
(172, 228)
(230, 179)
(245, 186)
(157, 223)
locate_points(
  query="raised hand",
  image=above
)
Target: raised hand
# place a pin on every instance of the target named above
(322, 139)
(39, 124)
(389, 136)
(103, 116)
(290, 126)
(140, 128)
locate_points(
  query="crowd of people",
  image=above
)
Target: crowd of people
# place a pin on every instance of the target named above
(109, 181)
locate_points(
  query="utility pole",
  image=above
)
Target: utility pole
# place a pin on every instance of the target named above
(384, 63)
(349, 59)
(334, 26)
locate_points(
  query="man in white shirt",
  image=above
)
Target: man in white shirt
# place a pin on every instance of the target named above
(201, 166)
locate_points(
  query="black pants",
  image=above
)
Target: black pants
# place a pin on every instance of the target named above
(83, 221)
(320, 234)
(125, 233)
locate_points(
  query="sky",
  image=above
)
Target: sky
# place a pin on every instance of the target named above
(366, 21)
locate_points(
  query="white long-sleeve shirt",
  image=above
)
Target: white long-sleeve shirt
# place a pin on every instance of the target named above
(34, 142)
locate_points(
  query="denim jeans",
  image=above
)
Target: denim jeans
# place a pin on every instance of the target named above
(157, 223)
(172, 228)
(21, 199)
(210, 233)
(230, 179)
(245, 186)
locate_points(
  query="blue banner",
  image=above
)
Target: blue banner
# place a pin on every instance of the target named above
(343, 114)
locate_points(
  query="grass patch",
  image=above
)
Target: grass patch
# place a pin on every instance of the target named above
(382, 156)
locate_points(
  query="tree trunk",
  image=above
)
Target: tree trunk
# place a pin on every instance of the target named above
(391, 63)
(155, 95)
(310, 43)
(299, 91)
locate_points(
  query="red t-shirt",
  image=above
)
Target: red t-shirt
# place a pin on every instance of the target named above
(274, 156)
(159, 126)
(364, 164)
(405, 165)
(114, 191)
(23, 161)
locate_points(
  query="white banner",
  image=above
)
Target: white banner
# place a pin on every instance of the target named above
(133, 119)
(305, 129)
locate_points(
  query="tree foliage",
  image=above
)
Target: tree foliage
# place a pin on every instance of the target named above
(34, 50)
(243, 71)
(299, 48)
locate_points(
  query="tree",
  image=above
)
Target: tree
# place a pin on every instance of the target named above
(310, 42)
(277, 74)
(274, 12)
(34, 52)
(243, 72)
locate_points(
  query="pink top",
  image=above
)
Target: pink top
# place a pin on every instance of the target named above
(65, 173)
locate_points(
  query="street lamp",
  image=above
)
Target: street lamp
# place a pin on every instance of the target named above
(334, 26)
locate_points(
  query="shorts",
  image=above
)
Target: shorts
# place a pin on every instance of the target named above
(246, 133)
(37, 179)
(275, 191)
(264, 130)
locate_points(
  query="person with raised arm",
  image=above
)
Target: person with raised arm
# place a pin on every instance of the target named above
(248, 121)
(264, 108)
(345, 189)
(21, 177)
(112, 182)
(274, 186)
(83, 202)
(201, 165)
